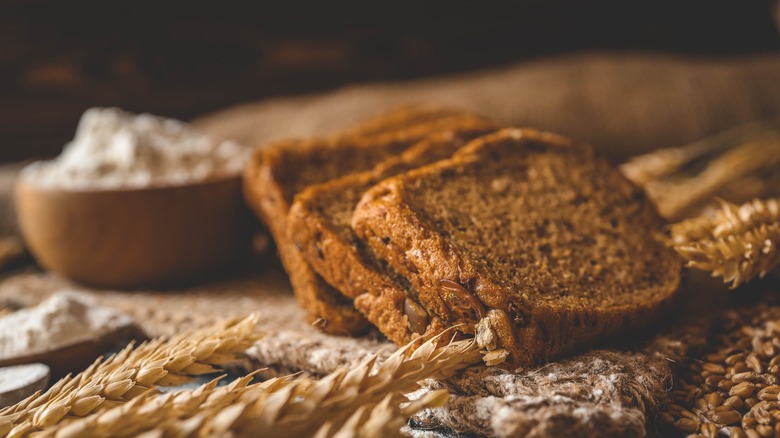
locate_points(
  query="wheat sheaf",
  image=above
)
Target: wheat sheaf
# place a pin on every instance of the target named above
(120, 397)
(737, 243)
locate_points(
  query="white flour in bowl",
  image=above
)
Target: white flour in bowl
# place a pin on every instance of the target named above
(63, 319)
(114, 149)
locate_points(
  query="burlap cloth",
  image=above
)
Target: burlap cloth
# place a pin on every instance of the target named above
(623, 104)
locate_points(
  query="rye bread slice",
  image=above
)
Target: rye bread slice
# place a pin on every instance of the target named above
(319, 225)
(277, 172)
(551, 246)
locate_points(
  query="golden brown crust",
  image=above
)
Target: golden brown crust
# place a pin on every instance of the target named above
(319, 224)
(455, 288)
(265, 195)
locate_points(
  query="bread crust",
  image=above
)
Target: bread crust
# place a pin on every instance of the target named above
(333, 251)
(265, 196)
(455, 288)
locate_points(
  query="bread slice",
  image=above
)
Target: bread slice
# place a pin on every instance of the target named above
(277, 172)
(528, 233)
(319, 225)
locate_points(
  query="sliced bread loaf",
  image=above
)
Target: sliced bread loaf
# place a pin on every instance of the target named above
(319, 225)
(528, 235)
(277, 172)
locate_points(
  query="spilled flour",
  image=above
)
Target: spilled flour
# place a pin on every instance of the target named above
(63, 319)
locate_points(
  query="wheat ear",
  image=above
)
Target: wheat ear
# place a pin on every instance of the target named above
(737, 242)
(130, 373)
(336, 405)
(196, 411)
(302, 411)
(163, 412)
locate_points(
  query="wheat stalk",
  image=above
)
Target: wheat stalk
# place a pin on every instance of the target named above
(130, 373)
(194, 411)
(737, 242)
(297, 411)
(675, 196)
(154, 411)
(740, 163)
(643, 169)
(337, 405)
(661, 163)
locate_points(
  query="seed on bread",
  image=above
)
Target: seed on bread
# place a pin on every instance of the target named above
(416, 316)
(462, 304)
(495, 357)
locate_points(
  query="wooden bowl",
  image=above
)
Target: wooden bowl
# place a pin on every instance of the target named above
(136, 238)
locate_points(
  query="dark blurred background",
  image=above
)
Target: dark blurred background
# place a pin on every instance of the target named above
(183, 60)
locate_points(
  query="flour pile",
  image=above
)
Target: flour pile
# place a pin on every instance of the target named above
(114, 149)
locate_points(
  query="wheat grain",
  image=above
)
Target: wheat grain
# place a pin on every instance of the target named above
(729, 219)
(752, 214)
(737, 243)
(746, 356)
(132, 372)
